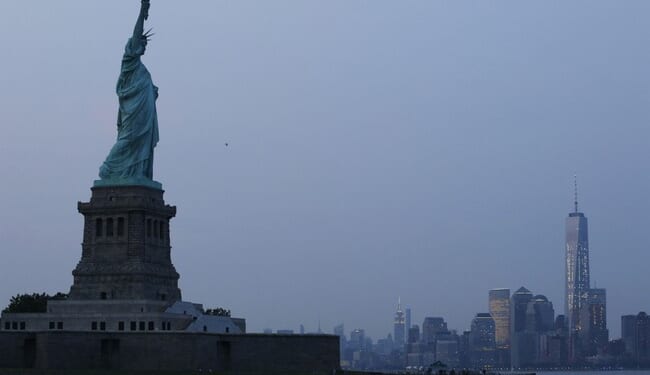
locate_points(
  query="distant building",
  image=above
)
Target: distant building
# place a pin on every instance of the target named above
(499, 303)
(635, 332)
(577, 274)
(463, 349)
(357, 340)
(414, 334)
(535, 341)
(447, 351)
(482, 341)
(431, 328)
(518, 337)
(546, 349)
(560, 323)
(399, 328)
(543, 319)
(384, 346)
(558, 347)
(339, 331)
(359, 350)
(408, 324)
(518, 306)
(594, 336)
(640, 339)
(628, 331)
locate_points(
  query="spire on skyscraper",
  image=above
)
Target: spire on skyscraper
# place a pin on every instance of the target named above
(399, 326)
(575, 192)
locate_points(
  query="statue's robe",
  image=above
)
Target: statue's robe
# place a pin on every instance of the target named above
(137, 121)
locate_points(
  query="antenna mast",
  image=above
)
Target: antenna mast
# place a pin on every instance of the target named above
(575, 192)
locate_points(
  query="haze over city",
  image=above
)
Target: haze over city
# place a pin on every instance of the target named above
(374, 150)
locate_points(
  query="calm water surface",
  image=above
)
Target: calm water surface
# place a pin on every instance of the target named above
(624, 372)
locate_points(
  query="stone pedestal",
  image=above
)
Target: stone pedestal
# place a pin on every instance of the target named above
(126, 247)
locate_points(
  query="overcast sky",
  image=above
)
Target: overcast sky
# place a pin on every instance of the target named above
(422, 149)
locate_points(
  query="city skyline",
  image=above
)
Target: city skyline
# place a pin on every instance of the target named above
(578, 295)
(376, 150)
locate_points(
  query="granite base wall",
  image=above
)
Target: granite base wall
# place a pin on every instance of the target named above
(171, 351)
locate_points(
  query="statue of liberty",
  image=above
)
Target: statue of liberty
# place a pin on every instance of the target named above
(130, 161)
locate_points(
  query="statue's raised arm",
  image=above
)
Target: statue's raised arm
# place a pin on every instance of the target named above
(140, 38)
(130, 161)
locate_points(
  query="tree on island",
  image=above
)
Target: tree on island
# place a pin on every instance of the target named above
(219, 311)
(31, 303)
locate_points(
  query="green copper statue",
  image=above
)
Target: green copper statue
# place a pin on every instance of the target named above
(130, 161)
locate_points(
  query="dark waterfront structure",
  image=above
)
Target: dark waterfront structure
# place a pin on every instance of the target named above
(168, 352)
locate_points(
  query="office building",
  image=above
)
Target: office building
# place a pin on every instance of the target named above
(628, 329)
(357, 340)
(431, 328)
(594, 335)
(482, 341)
(520, 339)
(543, 318)
(408, 324)
(499, 304)
(414, 334)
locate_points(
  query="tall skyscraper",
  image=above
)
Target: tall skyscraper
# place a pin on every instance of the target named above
(499, 303)
(577, 266)
(399, 327)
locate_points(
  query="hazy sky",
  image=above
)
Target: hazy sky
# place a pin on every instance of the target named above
(422, 149)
